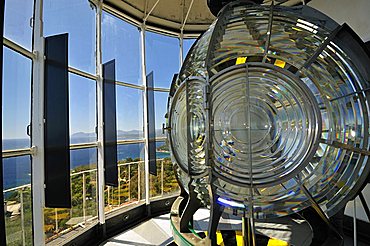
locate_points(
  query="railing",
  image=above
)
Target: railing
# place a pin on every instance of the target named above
(57, 222)
(16, 222)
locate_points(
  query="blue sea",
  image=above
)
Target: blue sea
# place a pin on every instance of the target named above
(17, 170)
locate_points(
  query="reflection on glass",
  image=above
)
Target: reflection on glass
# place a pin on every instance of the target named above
(16, 100)
(17, 22)
(131, 182)
(165, 182)
(77, 18)
(187, 43)
(17, 200)
(160, 102)
(277, 127)
(84, 196)
(129, 113)
(82, 109)
(162, 57)
(121, 41)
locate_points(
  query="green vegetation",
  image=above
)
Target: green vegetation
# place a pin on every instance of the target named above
(56, 221)
(13, 221)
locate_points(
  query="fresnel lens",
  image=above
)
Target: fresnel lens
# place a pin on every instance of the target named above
(269, 115)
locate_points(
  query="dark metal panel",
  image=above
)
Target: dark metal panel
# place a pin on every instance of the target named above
(355, 48)
(56, 115)
(2, 216)
(110, 127)
(151, 124)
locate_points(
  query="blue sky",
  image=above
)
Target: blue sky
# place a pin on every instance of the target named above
(120, 40)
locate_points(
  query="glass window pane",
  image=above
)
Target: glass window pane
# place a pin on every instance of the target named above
(121, 41)
(84, 197)
(165, 182)
(82, 109)
(187, 43)
(16, 100)
(17, 28)
(77, 18)
(17, 200)
(131, 185)
(160, 101)
(129, 113)
(162, 57)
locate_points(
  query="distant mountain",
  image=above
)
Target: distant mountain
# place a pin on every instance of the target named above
(83, 135)
(121, 135)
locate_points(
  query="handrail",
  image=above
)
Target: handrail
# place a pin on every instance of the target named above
(17, 188)
(112, 205)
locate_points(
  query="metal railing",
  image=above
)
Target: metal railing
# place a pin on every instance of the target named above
(128, 192)
(19, 190)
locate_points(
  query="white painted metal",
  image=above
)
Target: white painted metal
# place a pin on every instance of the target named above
(181, 48)
(22, 218)
(146, 118)
(150, 11)
(187, 15)
(139, 87)
(16, 47)
(16, 152)
(137, 23)
(99, 93)
(82, 73)
(37, 119)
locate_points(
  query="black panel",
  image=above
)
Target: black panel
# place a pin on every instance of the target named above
(56, 115)
(110, 128)
(363, 229)
(367, 44)
(173, 84)
(151, 124)
(355, 48)
(2, 217)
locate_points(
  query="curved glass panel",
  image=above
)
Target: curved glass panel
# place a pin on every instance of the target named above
(131, 182)
(16, 100)
(162, 57)
(77, 18)
(165, 183)
(17, 28)
(121, 41)
(286, 112)
(18, 200)
(186, 45)
(82, 109)
(160, 102)
(84, 211)
(129, 113)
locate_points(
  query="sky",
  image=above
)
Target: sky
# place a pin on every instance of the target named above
(120, 41)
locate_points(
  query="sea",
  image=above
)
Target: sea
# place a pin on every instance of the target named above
(17, 170)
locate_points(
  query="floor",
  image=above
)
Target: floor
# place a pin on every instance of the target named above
(157, 231)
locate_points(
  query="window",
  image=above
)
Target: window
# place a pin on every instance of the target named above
(84, 196)
(131, 182)
(82, 109)
(165, 182)
(16, 100)
(77, 18)
(187, 43)
(160, 101)
(129, 113)
(17, 28)
(17, 200)
(162, 57)
(121, 41)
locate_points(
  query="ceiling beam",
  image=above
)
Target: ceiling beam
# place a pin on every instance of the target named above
(151, 10)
